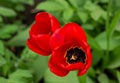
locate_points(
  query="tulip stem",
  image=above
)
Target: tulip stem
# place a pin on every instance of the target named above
(107, 36)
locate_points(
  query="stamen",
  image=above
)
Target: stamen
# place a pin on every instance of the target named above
(74, 55)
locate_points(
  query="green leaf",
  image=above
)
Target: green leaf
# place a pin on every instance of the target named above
(20, 76)
(7, 30)
(19, 39)
(89, 6)
(68, 13)
(30, 2)
(102, 78)
(74, 3)
(2, 48)
(92, 7)
(2, 61)
(20, 7)
(16, 81)
(117, 28)
(91, 72)
(52, 78)
(3, 80)
(39, 69)
(7, 12)
(1, 20)
(97, 56)
(99, 13)
(93, 43)
(28, 54)
(9, 55)
(20, 73)
(64, 3)
(50, 6)
(34, 63)
(103, 1)
(83, 16)
(115, 6)
(88, 26)
(10, 58)
(89, 80)
(83, 79)
(113, 23)
(115, 63)
(118, 76)
(101, 39)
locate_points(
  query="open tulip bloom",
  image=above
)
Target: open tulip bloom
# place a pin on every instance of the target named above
(68, 45)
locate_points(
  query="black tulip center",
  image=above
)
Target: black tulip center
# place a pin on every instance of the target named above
(75, 55)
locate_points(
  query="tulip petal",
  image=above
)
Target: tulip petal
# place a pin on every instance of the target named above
(89, 58)
(54, 23)
(42, 41)
(57, 38)
(35, 48)
(56, 69)
(47, 20)
(88, 62)
(76, 66)
(80, 73)
(84, 45)
(59, 53)
(74, 31)
(40, 28)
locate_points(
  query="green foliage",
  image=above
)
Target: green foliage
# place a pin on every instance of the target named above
(115, 58)
(21, 76)
(18, 64)
(83, 79)
(2, 61)
(51, 78)
(20, 37)
(67, 14)
(50, 6)
(101, 39)
(113, 23)
(7, 30)
(118, 76)
(2, 48)
(103, 77)
(7, 12)
(1, 19)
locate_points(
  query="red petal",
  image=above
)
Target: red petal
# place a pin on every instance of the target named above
(80, 73)
(88, 62)
(57, 38)
(42, 41)
(70, 32)
(89, 58)
(54, 23)
(47, 20)
(75, 66)
(35, 48)
(56, 69)
(74, 31)
(84, 45)
(40, 28)
(58, 54)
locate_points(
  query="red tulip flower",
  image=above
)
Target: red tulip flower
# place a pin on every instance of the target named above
(40, 32)
(70, 50)
(68, 45)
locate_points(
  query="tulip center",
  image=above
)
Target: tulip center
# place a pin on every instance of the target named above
(74, 55)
